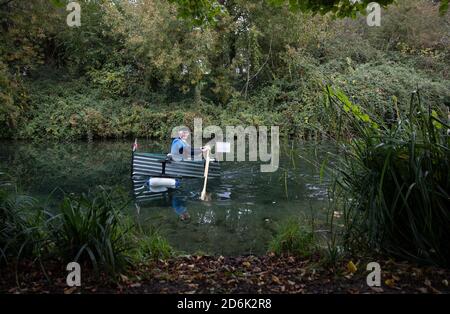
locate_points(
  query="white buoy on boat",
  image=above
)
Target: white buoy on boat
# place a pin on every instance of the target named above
(164, 182)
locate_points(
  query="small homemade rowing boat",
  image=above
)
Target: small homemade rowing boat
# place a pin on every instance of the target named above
(160, 165)
(160, 168)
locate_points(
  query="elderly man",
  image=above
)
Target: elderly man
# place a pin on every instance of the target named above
(181, 150)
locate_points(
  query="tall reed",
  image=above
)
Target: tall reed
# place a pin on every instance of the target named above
(397, 180)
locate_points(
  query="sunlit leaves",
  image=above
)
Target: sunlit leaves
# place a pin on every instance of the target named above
(201, 12)
(206, 11)
(355, 110)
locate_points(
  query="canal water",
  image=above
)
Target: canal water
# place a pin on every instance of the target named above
(243, 210)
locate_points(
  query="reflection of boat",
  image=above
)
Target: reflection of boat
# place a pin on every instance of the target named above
(142, 192)
(150, 165)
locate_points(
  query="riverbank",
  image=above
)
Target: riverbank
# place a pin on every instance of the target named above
(102, 82)
(240, 274)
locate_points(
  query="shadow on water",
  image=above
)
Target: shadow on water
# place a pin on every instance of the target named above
(240, 215)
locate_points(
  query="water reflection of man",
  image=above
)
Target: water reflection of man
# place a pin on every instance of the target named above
(179, 204)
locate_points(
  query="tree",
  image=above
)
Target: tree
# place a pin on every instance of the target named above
(207, 11)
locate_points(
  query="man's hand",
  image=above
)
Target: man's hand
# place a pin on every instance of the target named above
(205, 148)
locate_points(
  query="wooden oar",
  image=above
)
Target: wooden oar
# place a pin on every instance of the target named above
(203, 195)
(221, 147)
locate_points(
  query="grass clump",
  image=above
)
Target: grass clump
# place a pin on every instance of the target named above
(151, 245)
(92, 227)
(292, 239)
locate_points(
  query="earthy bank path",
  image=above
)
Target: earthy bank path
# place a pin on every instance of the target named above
(245, 274)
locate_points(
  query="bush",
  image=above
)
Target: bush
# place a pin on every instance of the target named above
(13, 100)
(374, 86)
(112, 80)
(71, 111)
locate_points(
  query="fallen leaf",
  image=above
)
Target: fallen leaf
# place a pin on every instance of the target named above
(377, 289)
(390, 283)
(423, 290)
(351, 267)
(124, 278)
(276, 279)
(70, 290)
(396, 278)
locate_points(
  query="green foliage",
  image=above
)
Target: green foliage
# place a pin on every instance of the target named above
(13, 99)
(397, 177)
(151, 245)
(384, 89)
(8, 111)
(21, 222)
(200, 12)
(92, 228)
(205, 12)
(111, 79)
(70, 110)
(293, 239)
(137, 70)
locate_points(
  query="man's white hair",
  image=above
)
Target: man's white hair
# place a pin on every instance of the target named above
(178, 130)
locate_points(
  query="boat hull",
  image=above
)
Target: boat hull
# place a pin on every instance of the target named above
(148, 165)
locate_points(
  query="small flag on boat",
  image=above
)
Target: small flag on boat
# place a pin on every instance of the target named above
(135, 145)
(223, 147)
